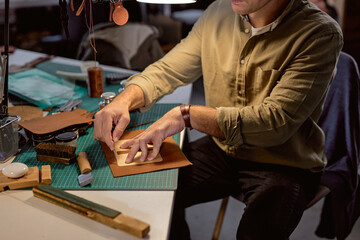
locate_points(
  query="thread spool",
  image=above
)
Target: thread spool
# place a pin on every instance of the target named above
(95, 81)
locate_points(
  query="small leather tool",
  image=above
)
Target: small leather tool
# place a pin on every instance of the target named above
(85, 177)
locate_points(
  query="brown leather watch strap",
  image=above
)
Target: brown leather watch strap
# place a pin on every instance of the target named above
(185, 112)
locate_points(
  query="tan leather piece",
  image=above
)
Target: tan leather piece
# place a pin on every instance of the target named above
(25, 112)
(170, 152)
(55, 122)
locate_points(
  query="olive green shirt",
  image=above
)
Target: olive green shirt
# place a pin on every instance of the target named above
(268, 88)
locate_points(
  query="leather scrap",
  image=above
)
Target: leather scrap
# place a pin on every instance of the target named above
(56, 122)
(171, 153)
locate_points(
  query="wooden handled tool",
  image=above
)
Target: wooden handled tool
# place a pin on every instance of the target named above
(83, 162)
(85, 177)
(92, 210)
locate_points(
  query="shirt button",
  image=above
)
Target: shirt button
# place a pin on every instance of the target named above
(242, 61)
(240, 92)
(247, 30)
(231, 148)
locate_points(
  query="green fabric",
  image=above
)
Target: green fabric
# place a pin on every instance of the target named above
(90, 104)
(43, 89)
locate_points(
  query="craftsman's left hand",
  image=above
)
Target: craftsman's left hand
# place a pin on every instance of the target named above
(170, 124)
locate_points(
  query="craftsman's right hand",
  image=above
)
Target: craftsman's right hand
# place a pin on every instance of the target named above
(114, 113)
(117, 112)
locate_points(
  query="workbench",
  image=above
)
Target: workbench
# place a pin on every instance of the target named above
(25, 217)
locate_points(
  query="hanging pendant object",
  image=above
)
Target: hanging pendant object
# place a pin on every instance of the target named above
(120, 14)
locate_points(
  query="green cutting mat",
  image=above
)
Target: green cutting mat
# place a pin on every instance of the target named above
(65, 177)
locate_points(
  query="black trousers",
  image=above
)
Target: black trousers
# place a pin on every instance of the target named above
(275, 196)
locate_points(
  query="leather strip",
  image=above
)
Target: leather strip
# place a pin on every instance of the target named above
(81, 8)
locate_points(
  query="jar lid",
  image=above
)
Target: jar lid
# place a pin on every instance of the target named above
(66, 137)
(42, 137)
(72, 128)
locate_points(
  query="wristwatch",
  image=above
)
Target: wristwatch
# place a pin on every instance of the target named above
(185, 112)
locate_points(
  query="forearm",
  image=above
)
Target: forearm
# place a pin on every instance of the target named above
(204, 119)
(132, 97)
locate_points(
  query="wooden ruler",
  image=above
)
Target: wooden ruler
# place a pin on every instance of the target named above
(92, 210)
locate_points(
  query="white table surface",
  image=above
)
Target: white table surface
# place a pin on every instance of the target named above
(23, 216)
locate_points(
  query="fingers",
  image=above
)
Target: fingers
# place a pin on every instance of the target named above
(134, 149)
(144, 150)
(102, 131)
(156, 149)
(107, 126)
(103, 125)
(120, 128)
(140, 143)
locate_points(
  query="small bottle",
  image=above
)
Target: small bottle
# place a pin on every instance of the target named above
(66, 138)
(106, 98)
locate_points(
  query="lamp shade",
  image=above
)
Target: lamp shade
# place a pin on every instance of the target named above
(167, 1)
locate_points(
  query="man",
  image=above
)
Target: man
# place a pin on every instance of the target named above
(266, 66)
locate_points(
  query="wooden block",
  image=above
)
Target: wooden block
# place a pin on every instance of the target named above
(92, 210)
(45, 175)
(30, 179)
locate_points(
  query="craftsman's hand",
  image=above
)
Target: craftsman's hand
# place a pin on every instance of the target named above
(170, 124)
(117, 112)
(114, 113)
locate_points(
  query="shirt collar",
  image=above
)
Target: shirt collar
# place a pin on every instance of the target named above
(292, 5)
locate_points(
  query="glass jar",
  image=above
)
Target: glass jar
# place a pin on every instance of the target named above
(66, 138)
(73, 128)
(39, 138)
